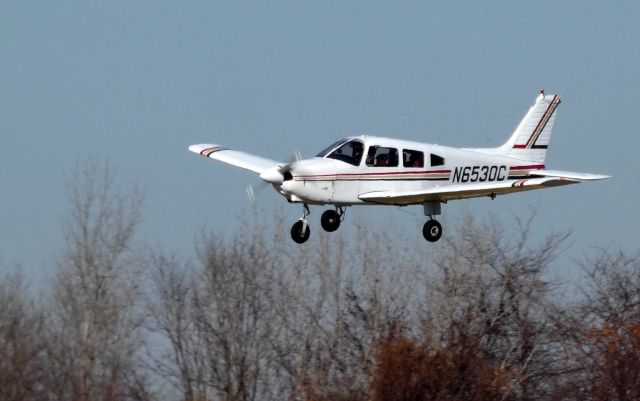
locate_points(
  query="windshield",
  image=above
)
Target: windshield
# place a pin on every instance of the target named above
(349, 152)
(330, 148)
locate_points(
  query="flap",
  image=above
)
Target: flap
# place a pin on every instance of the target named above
(461, 191)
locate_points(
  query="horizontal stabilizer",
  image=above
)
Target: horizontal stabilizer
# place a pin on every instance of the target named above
(569, 175)
(234, 157)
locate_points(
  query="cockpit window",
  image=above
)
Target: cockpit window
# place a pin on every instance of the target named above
(331, 147)
(379, 156)
(350, 152)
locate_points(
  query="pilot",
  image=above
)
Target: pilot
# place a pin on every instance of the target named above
(357, 155)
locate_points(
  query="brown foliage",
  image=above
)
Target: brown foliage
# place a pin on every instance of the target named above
(408, 371)
(618, 361)
(602, 331)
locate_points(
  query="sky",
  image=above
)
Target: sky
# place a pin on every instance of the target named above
(135, 83)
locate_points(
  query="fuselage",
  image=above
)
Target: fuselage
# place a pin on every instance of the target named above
(358, 165)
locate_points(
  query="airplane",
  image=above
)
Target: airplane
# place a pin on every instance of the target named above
(370, 170)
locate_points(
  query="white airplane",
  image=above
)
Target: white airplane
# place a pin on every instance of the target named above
(368, 170)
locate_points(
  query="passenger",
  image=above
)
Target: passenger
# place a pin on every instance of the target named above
(370, 155)
(382, 160)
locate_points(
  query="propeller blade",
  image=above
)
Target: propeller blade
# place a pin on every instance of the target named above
(251, 193)
(254, 190)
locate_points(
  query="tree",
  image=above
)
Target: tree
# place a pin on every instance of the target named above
(603, 331)
(21, 342)
(486, 313)
(93, 332)
(459, 370)
(179, 356)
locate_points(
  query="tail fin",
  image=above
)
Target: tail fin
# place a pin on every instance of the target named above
(531, 138)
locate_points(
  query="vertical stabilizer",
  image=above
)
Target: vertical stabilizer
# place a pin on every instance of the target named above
(531, 138)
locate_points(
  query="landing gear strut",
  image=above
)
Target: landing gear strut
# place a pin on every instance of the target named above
(330, 219)
(300, 231)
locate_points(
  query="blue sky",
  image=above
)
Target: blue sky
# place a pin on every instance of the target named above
(135, 83)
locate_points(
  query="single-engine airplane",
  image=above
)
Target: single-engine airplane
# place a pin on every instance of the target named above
(368, 170)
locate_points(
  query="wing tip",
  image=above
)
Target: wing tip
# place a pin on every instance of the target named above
(205, 149)
(595, 177)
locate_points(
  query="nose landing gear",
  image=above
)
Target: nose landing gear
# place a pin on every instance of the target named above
(300, 230)
(330, 221)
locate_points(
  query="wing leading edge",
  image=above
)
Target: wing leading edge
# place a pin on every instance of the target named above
(540, 179)
(236, 158)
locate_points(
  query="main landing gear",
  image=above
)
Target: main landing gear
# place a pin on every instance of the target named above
(432, 230)
(331, 219)
(330, 222)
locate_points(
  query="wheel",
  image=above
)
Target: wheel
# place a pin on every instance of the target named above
(432, 230)
(297, 234)
(330, 220)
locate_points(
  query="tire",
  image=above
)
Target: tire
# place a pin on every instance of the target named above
(330, 220)
(297, 235)
(432, 230)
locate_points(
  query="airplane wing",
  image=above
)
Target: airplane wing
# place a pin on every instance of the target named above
(234, 157)
(540, 179)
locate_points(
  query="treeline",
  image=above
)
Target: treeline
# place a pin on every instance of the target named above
(251, 317)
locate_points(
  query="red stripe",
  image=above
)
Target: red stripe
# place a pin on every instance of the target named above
(546, 118)
(209, 151)
(531, 167)
(541, 121)
(535, 132)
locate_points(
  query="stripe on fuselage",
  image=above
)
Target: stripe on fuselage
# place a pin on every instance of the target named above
(433, 175)
(426, 175)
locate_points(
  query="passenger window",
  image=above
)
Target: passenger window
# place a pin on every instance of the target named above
(412, 158)
(379, 156)
(436, 160)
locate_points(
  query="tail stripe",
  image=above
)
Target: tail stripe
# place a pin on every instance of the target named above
(540, 127)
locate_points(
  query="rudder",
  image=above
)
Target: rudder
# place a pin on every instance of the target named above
(530, 139)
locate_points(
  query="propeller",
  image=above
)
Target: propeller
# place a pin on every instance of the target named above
(274, 176)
